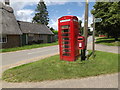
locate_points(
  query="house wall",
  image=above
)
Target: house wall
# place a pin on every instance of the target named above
(44, 38)
(12, 41)
(47, 38)
(38, 38)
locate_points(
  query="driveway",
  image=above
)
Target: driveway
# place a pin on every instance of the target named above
(102, 81)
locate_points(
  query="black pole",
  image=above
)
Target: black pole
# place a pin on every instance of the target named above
(83, 56)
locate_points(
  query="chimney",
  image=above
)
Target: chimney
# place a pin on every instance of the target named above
(7, 2)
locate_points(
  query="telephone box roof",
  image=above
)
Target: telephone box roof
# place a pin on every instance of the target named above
(68, 17)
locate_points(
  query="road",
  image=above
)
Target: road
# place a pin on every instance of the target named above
(11, 59)
(25, 56)
(14, 57)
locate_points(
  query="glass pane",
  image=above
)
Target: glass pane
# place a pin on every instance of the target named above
(65, 26)
(65, 42)
(66, 46)
(4, 39)
(65, 34)
(66, 50)
(66, 54)
(65, 38)
(65, 30)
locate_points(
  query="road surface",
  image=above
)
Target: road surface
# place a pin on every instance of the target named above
(12, 58)
(102, 81)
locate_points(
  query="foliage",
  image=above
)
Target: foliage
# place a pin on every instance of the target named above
(53, 68)
(41, 15)
(52, 29)
(80, 27)
(110, 14)
(55, 32)
(108, 41)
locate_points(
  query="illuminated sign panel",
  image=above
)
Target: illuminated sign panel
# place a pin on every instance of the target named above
(65, 20)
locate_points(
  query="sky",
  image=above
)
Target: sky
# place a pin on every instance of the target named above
(25, 10)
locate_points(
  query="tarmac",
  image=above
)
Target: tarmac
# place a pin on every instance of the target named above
(101, 81)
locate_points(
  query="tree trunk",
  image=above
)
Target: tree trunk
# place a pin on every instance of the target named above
(116, 38)
(108, 36)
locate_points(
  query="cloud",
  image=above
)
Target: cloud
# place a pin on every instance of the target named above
(25, 15)
(80, 4)
(54, 23)
(82, 19)
(90, 21)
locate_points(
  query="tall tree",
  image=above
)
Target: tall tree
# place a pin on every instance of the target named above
(41, 15)
(110, 14)
(52, 29)
(80, 27)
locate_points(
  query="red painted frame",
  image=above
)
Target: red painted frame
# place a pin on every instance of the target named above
(72, 21)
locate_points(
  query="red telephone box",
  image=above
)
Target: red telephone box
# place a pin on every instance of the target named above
(81, 42)
(68, 35)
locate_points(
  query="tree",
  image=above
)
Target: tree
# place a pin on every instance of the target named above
(52, 29)
(55, 32)
(80, 27)
(110, 14)
(41, 15)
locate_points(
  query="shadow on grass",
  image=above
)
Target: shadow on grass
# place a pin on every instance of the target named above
(90, 55)
(102, 38)
(106, 41)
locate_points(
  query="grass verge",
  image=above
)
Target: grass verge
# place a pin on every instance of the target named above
(28, 47)
(53, 69)
(108, 41)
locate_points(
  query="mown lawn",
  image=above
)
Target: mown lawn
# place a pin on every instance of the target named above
(52, 68)
(108, 41)
(28, 47)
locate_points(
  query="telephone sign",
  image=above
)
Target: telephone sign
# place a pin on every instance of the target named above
(98, 19)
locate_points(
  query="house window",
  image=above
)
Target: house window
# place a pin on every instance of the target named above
(3, 38)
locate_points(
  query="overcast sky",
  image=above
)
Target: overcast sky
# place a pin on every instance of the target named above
(24, 10)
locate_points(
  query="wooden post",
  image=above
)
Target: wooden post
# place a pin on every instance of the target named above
(83, 57)
(93, 46)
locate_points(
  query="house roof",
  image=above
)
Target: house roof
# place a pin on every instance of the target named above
(9, 24)
(8, 21)
(27, 27)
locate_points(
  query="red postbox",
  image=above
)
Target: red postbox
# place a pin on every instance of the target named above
(68, 31)
(81, 42)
